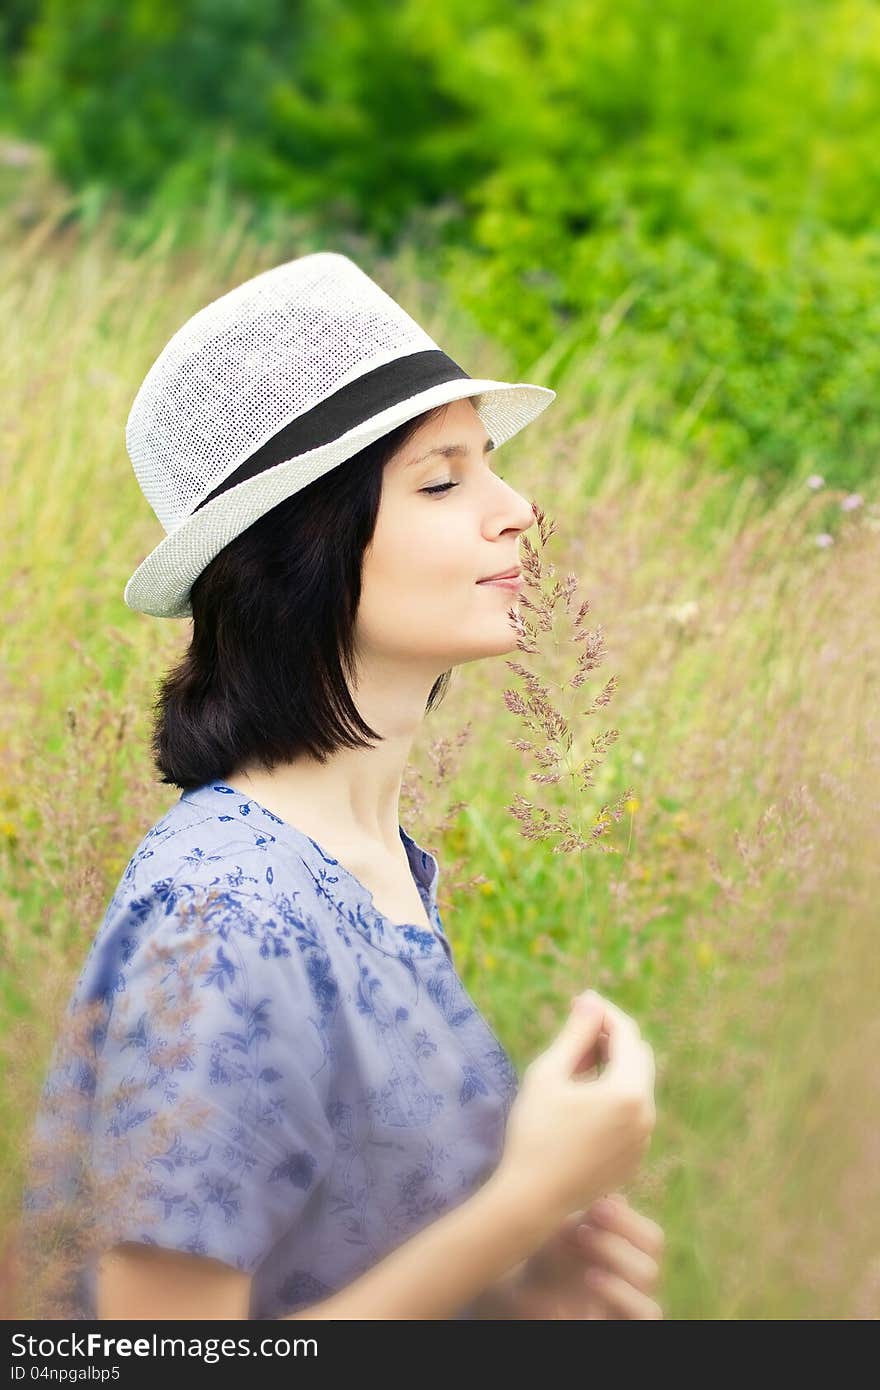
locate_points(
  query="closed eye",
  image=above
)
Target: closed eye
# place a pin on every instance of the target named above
(438, 487)
(445, 487)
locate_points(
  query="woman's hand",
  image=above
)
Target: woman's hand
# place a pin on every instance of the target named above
(599, 1264)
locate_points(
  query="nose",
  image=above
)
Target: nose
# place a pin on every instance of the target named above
(523, 511)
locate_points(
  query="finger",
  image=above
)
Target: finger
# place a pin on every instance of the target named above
(637, 1228)
(628, 1055)
(575, 1043)
(621, 1298)
(568, 1231)
(644, 1233)
(614, 1253)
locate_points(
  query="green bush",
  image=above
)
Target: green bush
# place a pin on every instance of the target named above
(703, 177)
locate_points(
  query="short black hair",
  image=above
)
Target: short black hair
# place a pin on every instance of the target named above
(263, 679)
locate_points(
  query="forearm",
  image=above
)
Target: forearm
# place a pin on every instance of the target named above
(509, 1294)
(448, 1264)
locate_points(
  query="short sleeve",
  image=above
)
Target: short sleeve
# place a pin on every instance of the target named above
(209, 1131)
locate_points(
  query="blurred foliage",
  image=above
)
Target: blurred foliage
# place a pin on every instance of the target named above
(693, 186)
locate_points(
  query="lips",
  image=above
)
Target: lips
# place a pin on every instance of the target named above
(513, 573)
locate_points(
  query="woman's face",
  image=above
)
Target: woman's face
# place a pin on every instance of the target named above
(420, 595)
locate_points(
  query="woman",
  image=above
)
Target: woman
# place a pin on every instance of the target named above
(286, 1102)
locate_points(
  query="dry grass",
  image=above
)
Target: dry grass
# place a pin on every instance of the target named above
(76, 1207)
(730, 902)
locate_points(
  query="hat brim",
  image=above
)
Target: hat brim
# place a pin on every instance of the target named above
(161, 583)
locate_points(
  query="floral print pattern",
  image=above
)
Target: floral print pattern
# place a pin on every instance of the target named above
(273, 1074)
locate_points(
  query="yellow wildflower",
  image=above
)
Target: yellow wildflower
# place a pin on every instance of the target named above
(705, 954)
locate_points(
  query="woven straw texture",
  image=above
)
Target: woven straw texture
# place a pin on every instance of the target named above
(244, 367)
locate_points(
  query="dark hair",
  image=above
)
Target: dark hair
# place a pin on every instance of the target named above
(263, 679)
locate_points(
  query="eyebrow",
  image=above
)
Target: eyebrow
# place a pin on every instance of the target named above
(450, 451)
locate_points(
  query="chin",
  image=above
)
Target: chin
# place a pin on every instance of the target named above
(505, 642)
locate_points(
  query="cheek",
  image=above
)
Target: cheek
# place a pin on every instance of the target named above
(418, 576)
(415, 547)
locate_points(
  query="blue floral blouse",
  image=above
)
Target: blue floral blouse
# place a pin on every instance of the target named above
(274, 1074)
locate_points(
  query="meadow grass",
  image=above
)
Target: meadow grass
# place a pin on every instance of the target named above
(732, 772)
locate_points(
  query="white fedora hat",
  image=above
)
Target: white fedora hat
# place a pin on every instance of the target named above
(266, 389)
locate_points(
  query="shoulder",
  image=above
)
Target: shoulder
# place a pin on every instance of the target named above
(221, 893)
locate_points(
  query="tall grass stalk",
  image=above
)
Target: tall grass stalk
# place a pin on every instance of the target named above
(735, 915)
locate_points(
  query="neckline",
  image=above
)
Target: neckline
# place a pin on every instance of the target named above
(368, 919)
